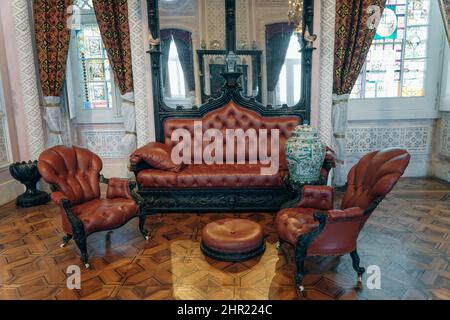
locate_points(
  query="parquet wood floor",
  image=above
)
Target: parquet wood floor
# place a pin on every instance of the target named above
(408, 237)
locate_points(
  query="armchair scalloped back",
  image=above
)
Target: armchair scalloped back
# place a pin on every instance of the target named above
(75, 171)
(374, 176)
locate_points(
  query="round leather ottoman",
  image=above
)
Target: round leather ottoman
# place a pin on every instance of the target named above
(232, 240)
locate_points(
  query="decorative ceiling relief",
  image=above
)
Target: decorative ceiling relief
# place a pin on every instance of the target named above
(216, 21)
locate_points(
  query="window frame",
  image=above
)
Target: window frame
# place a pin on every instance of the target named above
(425, 107)
(77, 113)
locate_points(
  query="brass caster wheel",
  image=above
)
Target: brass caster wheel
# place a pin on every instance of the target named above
(87, 265)
(147, 237)
(301, 288)
(62, 245)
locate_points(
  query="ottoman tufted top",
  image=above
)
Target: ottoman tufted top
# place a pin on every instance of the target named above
(232, 235)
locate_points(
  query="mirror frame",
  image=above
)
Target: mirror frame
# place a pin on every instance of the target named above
(230, 92)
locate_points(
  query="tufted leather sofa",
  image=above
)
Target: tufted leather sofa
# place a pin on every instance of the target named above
(314, 228)
(74, 174)
(158, 177)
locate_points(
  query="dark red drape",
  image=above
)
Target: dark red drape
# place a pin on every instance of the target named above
(112, 18)
(52, 42)
(352, 41)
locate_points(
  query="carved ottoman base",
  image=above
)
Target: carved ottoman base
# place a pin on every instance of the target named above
(232, 240)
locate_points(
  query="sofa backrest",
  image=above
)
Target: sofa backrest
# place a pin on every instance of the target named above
(232, 116)
(75, 171)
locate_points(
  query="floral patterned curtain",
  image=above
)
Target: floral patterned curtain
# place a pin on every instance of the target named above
(112, 18)
(445, 10)
(52, 43)
(356, 22)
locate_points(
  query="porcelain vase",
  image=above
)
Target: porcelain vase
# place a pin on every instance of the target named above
(305, 154)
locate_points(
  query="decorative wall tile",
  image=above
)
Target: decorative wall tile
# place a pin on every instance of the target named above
(28, 78)
(3, 148)
(242, 25)
(140, 84)
(216, 21)
(363, 140)
(326, 69)
(445, 134)
(104, 143)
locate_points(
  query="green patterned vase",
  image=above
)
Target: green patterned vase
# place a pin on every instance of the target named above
(305, 154)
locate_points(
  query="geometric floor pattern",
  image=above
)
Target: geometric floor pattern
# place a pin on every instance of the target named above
(407, 237)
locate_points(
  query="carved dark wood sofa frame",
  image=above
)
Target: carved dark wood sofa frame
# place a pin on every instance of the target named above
(220, 199)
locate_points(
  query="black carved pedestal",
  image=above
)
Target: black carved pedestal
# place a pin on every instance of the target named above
(28, 174)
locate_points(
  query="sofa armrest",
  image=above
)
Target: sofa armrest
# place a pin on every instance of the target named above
(317, 197)
(58, 197)
(157, 155)
(119, 188)
(346, 214)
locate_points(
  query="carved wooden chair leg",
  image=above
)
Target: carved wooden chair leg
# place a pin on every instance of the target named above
(144, 232)
(300, 256)
(82, 245)
(108, 235)
(355, 263)
(66, 240)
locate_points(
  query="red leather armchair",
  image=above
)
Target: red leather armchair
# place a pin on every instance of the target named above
(314, 228)
(74, 174)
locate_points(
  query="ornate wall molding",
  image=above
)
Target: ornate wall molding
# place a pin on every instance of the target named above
(326, 66)
(28, 78)
(445, 134)
(105, 143)
(138, 56)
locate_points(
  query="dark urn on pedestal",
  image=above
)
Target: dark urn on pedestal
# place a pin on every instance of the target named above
(28, 174)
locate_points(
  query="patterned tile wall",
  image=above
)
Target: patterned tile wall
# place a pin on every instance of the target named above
(445, 135)
(104, 143)
(416, 139)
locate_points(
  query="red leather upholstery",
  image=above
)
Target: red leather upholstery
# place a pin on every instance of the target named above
(163, 174)
(233, 116)
(75, 172)
(107, 214)
(118, 188)
(232, 235)
(215, 175)
(373, 176)
(290, 223)
(157, 155)
(318, 197)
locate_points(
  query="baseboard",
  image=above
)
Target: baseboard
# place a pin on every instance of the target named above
(9, 191)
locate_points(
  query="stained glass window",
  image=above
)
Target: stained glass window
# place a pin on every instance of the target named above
(96, 86)
(84, 4)
(396, 63)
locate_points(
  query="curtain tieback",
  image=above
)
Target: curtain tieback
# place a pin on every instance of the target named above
(339, 136)
(131, 132)
(55, 132)
(52, 105)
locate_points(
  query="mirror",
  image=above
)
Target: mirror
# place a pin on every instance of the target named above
(194, 41)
